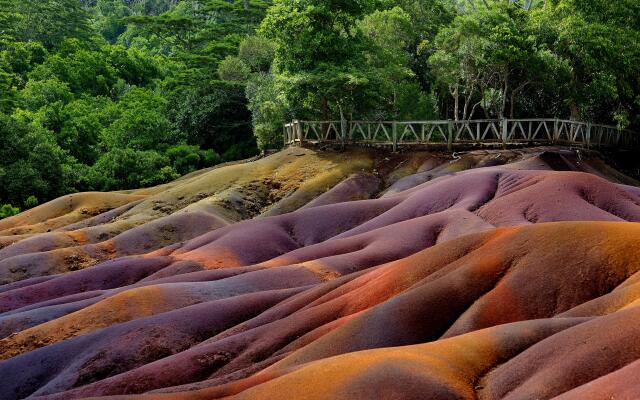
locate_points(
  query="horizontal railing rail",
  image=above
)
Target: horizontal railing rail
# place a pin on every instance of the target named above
(477, 131)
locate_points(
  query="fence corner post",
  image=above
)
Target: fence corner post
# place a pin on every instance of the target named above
(300, 132)
(294, 131)
(449, 135)
(394, 133)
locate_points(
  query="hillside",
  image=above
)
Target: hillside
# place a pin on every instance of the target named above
(316, 274)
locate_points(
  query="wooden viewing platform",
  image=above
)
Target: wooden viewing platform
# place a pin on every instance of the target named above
(448, 132)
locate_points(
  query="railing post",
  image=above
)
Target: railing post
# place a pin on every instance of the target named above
(394, 135)
(587, 137)
(450, 135)
(504, 125)
(556, 132)
(297, 131)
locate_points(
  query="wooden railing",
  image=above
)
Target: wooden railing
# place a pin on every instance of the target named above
(448, 132)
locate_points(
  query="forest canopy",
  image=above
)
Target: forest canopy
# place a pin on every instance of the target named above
(116, 94)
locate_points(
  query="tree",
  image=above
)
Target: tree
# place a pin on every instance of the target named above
(39, 94)
(20, 58)
(7, 90)
(268, 110)
(83, 121)
(8, 19)
(31, 202)
(602, 43)
(187, 158)
(83, 88)
(109, 21)
(141, 122)
(257, 52)
(488, 58)
(50, 22)
(233, 69)
(397, 89)
(320, 52)
(129, 168)
(31, 163)
(427, 18)
(214, 116)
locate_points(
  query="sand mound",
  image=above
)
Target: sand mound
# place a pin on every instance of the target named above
(487, 275)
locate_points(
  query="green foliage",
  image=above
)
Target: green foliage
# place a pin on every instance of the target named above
(109, 15)
(83, 121)
(111, 94)
(257, 52)
(486, 59)
(213, 116)
(140, 122)
(49, 22)
(32, 163)
(39, 94)
(8, 17)
(106, 94)
(7, 210)
(84, 70)
(601, 40)
(31, 202)
(20, 58)
(333, 60)
(7, 90)
(233, 69)
(268, 110)
(186, 158)
(318, 51)
(129, 168)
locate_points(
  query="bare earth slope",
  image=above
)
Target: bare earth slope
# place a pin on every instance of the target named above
(491, 274)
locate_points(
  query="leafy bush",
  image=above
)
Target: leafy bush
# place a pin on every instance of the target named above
(257, 52)
(233, 69)
(7, 210)
(268, 108)
(31, 202)
(32, 163)
(141, 122)
(186, 158)
(129, 168)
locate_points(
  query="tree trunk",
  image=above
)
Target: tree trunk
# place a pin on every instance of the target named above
(467, 101)
(325, 109)
(511, 101)
(456, 103)
(504, 95)
(324, 106)
(575, 110)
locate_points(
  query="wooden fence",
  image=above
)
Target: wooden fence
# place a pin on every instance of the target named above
(448, 132)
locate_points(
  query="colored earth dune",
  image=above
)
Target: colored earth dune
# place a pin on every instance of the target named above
(308, 274)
